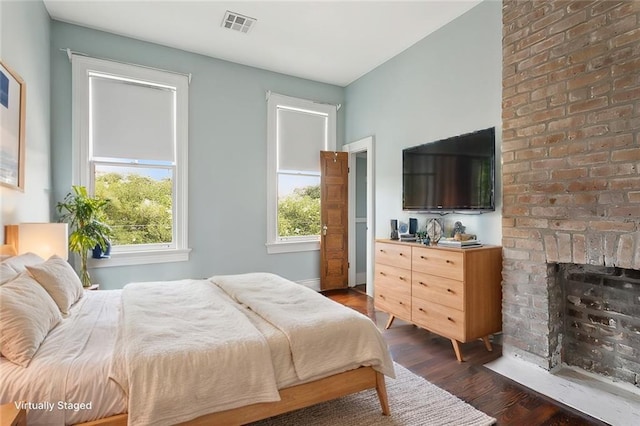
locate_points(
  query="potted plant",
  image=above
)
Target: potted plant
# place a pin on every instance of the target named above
(84, 215)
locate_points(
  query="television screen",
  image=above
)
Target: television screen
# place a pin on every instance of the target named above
(454, 174)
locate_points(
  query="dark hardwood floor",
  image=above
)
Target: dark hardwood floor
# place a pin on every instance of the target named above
(432, 357)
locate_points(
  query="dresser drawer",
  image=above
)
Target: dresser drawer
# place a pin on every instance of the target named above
(444, 263)
(440, 319)
(393, 291)
(394, 255)
(393, 278)
(432, 288)
(393, 301)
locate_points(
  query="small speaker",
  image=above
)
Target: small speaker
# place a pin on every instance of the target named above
(394, 229)
(413, 226)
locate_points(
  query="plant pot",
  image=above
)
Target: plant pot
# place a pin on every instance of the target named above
(99, 254)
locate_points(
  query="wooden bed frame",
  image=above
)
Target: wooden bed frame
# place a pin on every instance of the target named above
(292, 398)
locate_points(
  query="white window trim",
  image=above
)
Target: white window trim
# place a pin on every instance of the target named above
(81, 167)
(273, 244)
(141, 258)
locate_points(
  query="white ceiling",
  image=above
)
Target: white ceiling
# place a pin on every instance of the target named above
(329, 41)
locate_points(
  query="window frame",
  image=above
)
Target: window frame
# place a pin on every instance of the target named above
(276, 244)
(83, 167)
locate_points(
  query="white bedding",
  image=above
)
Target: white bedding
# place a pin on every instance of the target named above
(325, 337)
(186, 350)
(71, 366)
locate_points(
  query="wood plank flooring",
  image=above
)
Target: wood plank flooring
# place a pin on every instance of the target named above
(432, 357)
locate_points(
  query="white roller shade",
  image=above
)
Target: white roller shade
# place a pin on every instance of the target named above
(301, 137)
(130, 120)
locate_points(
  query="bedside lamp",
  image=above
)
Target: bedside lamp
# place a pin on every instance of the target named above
(43, 239)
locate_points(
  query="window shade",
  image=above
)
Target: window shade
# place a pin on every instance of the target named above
(132, 121)
(301, 137)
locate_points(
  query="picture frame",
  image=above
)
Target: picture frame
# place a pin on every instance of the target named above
(13, 108)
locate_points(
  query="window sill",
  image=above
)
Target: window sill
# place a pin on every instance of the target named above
(292, 246)
(140, 258)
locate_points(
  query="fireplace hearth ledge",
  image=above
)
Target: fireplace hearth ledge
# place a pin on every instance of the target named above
(617, 403)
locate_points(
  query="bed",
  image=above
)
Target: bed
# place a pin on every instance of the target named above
(225, 350)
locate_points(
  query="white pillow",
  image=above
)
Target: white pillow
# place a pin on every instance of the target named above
(27, 314)
(60, 281)
(10, 268)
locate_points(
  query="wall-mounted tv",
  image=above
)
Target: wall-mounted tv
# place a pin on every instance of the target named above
(456, 174)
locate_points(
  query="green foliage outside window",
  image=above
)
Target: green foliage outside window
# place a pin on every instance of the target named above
(299, 212)
(140, 209)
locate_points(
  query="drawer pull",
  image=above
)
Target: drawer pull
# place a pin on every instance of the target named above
(382, 297)
(423, 284)
(422, 310)
(382, 251)
(401, 254)
(423, 257)
(449, 290)
(401, 303)
(401, 278)
(383, 274)
(450, 319)
(448, 261)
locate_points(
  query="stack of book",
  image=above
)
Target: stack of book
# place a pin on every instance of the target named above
(407, 237)
(450, 242)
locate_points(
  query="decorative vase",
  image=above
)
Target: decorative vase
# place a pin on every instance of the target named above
(99, 254)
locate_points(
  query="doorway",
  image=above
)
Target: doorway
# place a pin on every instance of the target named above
(361, 212)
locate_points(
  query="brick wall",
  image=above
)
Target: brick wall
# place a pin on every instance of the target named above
(571, 155)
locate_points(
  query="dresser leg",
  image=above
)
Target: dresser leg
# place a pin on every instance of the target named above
(389, 321)
(456, 349)
(487, 343)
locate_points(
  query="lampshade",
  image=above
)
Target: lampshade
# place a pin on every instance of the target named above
(43, 239)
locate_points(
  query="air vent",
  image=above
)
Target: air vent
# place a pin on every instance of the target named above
(238, 22)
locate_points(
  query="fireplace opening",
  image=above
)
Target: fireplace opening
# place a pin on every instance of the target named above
(598, 323)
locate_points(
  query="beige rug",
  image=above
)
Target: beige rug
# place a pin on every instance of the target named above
(412, 399)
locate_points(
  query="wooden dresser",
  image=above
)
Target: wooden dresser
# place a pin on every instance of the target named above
(453, 292)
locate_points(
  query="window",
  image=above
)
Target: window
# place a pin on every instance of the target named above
(130, 146)
(298, 130)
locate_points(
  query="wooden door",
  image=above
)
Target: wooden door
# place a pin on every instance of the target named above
(334, 184)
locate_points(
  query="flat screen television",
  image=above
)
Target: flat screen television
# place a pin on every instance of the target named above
(456, 174)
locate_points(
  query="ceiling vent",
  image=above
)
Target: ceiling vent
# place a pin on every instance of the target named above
(238, 22)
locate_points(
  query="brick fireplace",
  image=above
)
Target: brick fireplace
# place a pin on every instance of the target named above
(571, 181)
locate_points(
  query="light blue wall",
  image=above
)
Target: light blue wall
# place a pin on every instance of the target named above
(361, 186)
(361, 212)
(227, 155)
(25, 47)
(447, 84)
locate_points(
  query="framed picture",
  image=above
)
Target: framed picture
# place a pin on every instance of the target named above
(13, 99)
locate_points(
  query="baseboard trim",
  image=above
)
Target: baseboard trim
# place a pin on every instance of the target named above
(313, 283)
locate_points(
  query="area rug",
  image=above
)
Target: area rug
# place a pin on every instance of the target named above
(413, 402)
